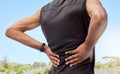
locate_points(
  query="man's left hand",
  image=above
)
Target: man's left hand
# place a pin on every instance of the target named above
(78, 55)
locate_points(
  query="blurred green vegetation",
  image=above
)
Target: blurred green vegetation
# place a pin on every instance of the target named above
(42, 67)
(112, 62)
(21, 68)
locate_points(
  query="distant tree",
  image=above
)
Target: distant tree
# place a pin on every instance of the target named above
(36, 64)
(5, 62)
(47, 69)
(99, 65)
(113, 61)
(43, 64)
(5, 66)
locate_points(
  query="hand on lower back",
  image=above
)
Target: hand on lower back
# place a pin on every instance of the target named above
(78, 55)
(52, 56)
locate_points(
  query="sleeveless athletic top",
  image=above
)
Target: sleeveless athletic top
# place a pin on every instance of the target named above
(65, 25)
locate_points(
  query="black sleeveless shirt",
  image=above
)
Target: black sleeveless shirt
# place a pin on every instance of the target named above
(65, 25)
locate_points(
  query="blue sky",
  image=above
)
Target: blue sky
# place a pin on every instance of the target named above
(13, 10)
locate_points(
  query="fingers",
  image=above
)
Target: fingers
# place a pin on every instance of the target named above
(75, 63)
(55, 59)
(71, 52)
(73, 60)
(71, 57)
(52, 56)
(55, 55)
(55, 63)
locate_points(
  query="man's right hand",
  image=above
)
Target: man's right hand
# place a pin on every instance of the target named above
(52, 56)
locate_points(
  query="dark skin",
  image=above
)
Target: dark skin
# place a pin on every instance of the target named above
(97, 26)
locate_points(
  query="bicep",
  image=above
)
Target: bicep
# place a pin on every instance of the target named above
(28, 23)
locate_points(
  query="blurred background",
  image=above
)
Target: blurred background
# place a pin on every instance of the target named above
(107, 48)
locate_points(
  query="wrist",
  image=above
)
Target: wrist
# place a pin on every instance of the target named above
(46, 48)
(88, 44)
(42, 47)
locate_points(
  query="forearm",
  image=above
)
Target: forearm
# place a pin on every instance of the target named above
(97, 26)
(16, 31)
(23, 38)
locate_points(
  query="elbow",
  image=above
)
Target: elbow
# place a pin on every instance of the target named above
(101, 18)
(9, 32)
(100, 15)
(13, 31)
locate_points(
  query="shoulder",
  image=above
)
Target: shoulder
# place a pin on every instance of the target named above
(48, 6)
(94, 7)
